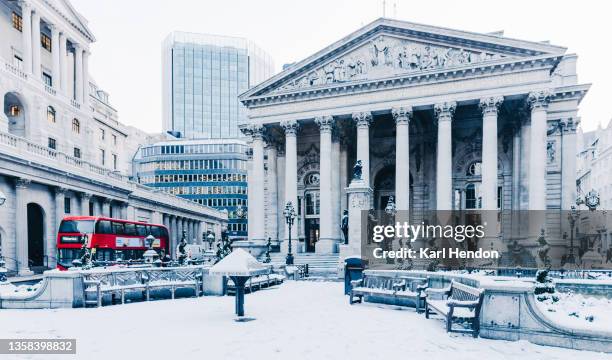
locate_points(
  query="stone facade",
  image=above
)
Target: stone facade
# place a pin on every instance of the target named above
(62, 149)
(441, 119)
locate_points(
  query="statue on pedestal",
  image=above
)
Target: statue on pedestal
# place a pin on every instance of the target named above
(357, 169)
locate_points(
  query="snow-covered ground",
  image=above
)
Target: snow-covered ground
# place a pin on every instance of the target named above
(297, 320)
(578, 311)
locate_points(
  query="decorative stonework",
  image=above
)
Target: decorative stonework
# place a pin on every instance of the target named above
(386, 56)
(362, 119)
(539, 99)
(445, 111)
(550, 152)
(291, 127)
(22, 183)
(569, 125)
(402, 115)
(326, 123)
(490, 105)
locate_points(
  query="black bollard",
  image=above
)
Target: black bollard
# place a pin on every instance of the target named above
(239, 281)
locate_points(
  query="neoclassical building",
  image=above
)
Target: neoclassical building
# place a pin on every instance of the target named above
(441, 119)
(62, 149)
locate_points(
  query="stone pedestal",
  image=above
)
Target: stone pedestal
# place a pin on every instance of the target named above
(359, 200)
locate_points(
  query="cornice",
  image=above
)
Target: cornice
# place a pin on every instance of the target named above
(403, 80)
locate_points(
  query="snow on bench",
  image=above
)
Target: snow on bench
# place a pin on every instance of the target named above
(459, 302)
(404, 287)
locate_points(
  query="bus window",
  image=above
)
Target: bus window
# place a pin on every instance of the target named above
(141, 230)
(129, 229)
(76, 226)
(164, 232)
(117, 228)
(156, 231)
(103, 227)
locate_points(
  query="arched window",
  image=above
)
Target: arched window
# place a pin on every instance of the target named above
(76, 126)
(475, 169)
(51, 114)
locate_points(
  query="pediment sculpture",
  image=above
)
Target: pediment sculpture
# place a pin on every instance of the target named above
(386, 56)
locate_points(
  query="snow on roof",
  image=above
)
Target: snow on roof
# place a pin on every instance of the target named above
(239, 263)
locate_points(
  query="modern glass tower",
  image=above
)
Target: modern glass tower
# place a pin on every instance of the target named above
(202, 77)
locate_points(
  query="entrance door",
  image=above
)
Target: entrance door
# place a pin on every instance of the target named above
(36, 233)
(312, 234)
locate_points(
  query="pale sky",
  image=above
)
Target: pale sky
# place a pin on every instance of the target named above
(126, 59)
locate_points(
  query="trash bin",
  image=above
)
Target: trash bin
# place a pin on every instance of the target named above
(353, 270)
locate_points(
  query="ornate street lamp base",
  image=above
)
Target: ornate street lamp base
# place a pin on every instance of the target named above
(289, 259)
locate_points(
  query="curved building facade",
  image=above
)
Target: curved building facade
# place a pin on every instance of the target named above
(208, 172)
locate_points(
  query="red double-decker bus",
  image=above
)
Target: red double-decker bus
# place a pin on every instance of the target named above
(109, 239)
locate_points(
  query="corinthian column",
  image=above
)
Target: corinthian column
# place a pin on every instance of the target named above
(291, 129)
(489, 107)
(63, 73)
(568, 156)
(26, 35)
(444, 171)
(402, 116)
(21, 226)
(326, 241)
(538, 102)
(36, 45)
(258, 219)
(78, 73)
(55, 54)
(363, 121)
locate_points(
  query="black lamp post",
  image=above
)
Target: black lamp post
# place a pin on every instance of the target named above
(211, 239)
(572, 216)
(290, 214)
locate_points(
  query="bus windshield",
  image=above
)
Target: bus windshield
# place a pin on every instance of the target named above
(77, 226)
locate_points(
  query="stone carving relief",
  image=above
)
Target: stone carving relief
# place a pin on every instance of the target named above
(550, 152)
(387, 56)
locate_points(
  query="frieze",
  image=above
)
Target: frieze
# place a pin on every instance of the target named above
(387, 56)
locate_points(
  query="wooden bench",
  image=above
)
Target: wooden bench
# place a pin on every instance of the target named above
(394, 288)
(458, 302)
(257, 283)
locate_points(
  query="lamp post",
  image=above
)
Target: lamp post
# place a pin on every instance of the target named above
(211, 239)
(3, 270)
(290, 214)
(572, 216)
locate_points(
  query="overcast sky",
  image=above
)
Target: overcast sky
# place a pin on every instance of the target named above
(126, 59)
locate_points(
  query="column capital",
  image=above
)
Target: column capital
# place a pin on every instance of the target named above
(539, 99)
(490, 105)
(106, 201)
(291, 127)
(445, 110)
(402, 114)
(60, 190)
(25, 4)
(85, 195)
(569, 125)
(22, 183)
(326, 123)
(362, 119)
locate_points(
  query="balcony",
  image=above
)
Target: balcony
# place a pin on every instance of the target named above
(15, 71)
(50, 90)
(75, 104)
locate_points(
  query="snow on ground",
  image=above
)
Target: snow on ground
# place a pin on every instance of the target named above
(297, 320)
(579, 311)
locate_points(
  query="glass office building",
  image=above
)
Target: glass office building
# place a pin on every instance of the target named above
(202, 77)
(209, 172)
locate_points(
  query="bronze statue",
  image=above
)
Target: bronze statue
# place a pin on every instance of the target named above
(357, 169)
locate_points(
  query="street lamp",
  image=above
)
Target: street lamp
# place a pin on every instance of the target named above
(211, 239)
(290, 214)
(3, 270)
(572, 216)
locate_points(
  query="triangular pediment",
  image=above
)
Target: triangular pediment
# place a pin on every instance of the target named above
(69, 13)
(389, 48)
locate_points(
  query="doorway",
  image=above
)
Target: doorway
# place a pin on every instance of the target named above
(311, 234)
(36, 236)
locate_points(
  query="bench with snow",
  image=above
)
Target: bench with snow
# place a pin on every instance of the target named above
(391, 288)
(117, 282)
(257, 283)
(459, 302)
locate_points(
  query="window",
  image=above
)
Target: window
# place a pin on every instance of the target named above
(45, 41)
(102, 156)
(76, 126)
(115, 161)
(114, 139)
(52, 144)
(66, 205)
(103, 227)
(312, 203)
(51, 114)
(102, 134)
(17, 22)
(77, 153)
(47, 79)
(475, 169)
